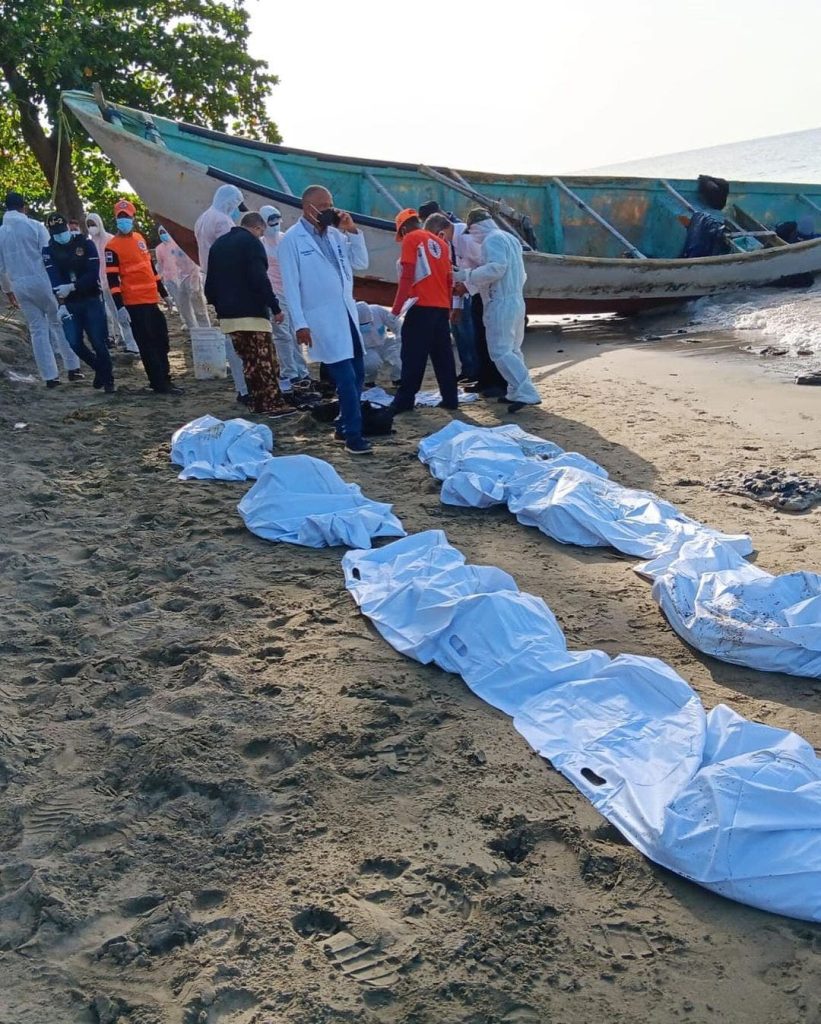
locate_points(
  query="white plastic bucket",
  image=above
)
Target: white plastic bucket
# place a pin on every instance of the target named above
(208, 352)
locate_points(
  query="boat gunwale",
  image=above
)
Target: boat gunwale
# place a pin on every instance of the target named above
(621, 181)
(533, 256)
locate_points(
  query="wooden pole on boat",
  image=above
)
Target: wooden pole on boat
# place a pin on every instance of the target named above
(499, 211)
(380, 188)
(597, 217)
(283, 184)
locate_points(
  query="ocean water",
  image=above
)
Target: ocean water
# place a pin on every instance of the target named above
(772, 318)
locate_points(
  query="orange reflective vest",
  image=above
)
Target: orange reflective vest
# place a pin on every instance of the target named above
(130, 272)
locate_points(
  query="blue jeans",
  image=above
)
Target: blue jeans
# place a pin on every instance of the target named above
(349, 375)
(89, 315)
(466, 343)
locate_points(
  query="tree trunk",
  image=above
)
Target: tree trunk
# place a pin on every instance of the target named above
(44, 147)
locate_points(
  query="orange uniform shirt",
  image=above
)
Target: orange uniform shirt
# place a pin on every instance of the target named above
(423, 250)
(130, 271)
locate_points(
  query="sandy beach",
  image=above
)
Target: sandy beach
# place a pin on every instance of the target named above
(224, 798)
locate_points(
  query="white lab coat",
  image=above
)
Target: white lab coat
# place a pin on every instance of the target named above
(317, 297)
(23, 272)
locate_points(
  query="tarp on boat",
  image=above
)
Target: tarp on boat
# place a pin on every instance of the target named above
(211, 449)
(302, 500)
(728, 803)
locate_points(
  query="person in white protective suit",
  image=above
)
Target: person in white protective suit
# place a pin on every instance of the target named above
(119, 331)
(183, 281)
(381, 348)
(293, 370)
(500, 281)
(223, 214)
(24, 279)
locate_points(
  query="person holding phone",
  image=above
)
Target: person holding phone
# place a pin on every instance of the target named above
(317, 260)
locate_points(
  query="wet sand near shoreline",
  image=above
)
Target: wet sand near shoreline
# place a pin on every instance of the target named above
(224, 798)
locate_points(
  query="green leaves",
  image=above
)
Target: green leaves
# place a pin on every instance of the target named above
(183, 59)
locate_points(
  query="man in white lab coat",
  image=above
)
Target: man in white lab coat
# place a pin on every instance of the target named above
(317, 259)
(24, 279)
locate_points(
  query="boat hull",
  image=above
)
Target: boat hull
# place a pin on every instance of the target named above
(177, 189)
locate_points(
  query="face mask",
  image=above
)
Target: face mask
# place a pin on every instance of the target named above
(164, 236)
(236, 215)
(75, 232)
(328, 218)
(62, 237)
(93, 229)
(125, 224)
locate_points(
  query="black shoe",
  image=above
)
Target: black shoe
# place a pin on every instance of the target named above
(516, 406)
(395, 409)
(360, 447)
(96, 383)
(109, 389)
(443, 405)
(53, 383)
(465, 378)
(169, 390)
(76, 375)
(244, 399)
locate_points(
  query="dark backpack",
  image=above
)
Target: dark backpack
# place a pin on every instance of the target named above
(713, 192)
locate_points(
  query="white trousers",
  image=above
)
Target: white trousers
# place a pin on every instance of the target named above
(505, 329)
(235, 366)
(292, 365)
(47, 335)
(187, 296)
(388, 353)
(119, 332)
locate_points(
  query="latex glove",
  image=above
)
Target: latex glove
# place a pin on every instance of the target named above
(62, 291)
(394, 323)
(123, 317)
(460, 276)
(63, 313)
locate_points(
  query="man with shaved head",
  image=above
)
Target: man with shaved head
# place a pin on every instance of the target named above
(317, 259)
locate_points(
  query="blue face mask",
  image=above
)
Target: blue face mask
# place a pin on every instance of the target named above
(125, 224)
(164, 236)
(236, 215)
(62, 237)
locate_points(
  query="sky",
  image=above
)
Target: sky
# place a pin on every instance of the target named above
(537, 86)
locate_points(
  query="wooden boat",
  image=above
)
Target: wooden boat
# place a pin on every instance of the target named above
(598, 244)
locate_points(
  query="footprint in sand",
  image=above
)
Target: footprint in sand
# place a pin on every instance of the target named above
(355, 958)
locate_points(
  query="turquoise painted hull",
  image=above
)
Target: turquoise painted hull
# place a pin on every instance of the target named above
(599, 243)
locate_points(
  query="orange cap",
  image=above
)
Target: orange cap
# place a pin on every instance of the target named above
(123, 206)
(402, 218)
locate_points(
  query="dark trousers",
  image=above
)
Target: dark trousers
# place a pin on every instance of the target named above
(426, 333)
(151, 334)
(488, 374)
(88, 316)
(349, 375)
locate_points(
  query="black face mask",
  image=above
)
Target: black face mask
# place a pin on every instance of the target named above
(328, 218)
